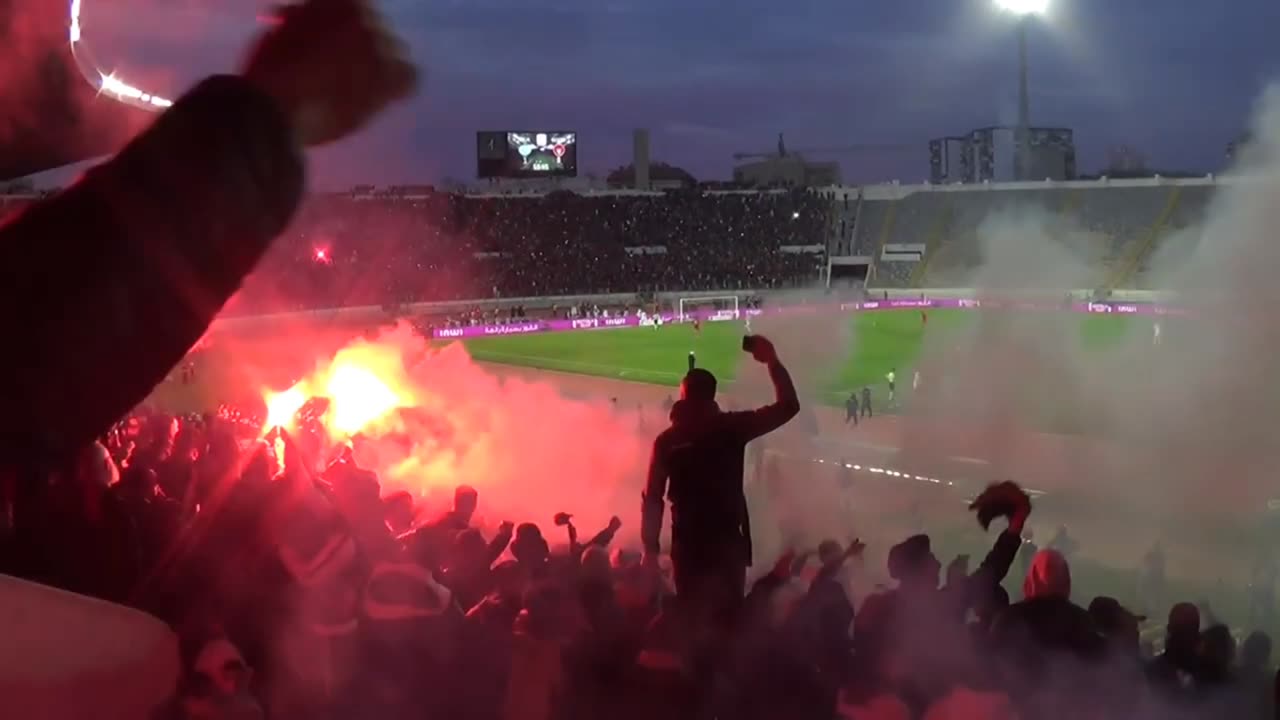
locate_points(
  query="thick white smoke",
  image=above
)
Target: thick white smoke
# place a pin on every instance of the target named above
(1173, 440)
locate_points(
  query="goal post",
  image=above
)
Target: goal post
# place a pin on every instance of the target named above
(711, 309)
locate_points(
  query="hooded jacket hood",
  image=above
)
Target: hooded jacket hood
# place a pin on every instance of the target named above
(1049, 576)
(684, 412)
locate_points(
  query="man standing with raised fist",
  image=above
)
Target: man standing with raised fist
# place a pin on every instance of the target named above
(697, 466)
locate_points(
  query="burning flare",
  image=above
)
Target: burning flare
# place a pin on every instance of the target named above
(365, 385)
(426, 418)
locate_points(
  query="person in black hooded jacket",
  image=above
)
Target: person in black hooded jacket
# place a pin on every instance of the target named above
(697, 465)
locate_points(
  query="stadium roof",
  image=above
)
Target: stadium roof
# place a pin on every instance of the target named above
(49, 116)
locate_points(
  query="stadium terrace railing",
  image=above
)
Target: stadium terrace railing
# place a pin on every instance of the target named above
(379, 313)
(536, 326)
(1121, 301)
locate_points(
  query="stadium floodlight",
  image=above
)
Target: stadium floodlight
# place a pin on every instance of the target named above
(1025, 10)
(107, 84)
(1024, 7)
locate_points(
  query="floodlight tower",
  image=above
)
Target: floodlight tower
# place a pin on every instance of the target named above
(1026, 11)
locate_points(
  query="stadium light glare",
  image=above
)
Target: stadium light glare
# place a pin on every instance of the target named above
(1024, 7)
(1025, 11)
(106, 83)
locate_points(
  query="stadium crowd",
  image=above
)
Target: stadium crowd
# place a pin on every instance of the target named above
(311, 594)
(301, 592)
(347, 250)
(351, 250)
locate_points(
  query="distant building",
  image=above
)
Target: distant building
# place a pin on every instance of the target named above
(1125, 161)
(789, 170)
(990, 155)
(659, 176)
(950, 161)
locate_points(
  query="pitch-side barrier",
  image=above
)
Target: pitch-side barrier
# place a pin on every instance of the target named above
(562, 325)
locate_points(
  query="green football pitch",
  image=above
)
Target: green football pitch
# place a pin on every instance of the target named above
(831, 358)
(878, 342)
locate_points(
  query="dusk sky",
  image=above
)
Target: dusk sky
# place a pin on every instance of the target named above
(1175, 79)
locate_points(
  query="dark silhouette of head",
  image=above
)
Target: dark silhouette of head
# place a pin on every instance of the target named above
(1182, 633)
(699, 385)
(529, 547)
(912, 562)
(1256, 650)
(1217, 651)
(465, 499)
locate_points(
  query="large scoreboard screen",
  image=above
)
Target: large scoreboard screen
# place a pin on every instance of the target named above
(505, 154)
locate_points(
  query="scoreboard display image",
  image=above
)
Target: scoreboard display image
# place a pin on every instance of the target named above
(526, 154)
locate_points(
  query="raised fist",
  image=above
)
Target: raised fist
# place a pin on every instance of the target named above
(1001, 499)
(331, 65)
(763, 351)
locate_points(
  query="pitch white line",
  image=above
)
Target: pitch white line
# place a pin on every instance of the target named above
(969, 460)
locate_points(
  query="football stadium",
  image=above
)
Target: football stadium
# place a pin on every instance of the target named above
(370, 435)
(938, 324)
(930, 323)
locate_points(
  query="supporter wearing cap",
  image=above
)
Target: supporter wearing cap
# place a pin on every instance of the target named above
(912, 562)
(1117, 624)
(531, 550)
(918, 622)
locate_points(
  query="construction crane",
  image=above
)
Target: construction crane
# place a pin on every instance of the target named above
(783, 152)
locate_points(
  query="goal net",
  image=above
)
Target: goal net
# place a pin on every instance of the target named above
(710, 309)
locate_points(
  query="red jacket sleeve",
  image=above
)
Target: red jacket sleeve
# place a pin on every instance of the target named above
(105, 286)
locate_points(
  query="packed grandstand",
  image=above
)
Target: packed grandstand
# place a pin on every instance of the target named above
(515, 624)
(376, 248)
(883, 452)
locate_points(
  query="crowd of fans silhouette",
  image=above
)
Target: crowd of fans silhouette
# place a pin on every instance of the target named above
(311, 594)
(347, 250)
(301, 592)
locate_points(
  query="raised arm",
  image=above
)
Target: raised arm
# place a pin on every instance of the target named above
(107, 285)
(499, 543)
(785, 405)
(995, 566)
(104, 287)
(605, 536)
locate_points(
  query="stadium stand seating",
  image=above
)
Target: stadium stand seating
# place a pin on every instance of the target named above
(387, 250)
(1114, 229)
(372, 248)
(1179, 237)
(871, 221)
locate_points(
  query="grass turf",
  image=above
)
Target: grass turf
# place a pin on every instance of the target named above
(879, 342)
